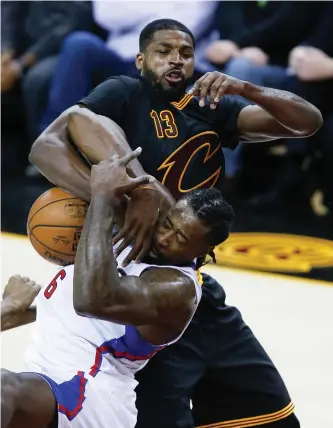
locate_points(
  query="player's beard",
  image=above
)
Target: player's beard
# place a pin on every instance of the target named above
(172, 93)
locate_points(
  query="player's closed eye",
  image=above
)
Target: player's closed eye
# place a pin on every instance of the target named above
(180, 240)
(167, 224)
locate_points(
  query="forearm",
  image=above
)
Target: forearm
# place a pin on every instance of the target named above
(96, 278)
(105, 138)
(109, 139)
(11, 318)
(56, 158)
(289, 110)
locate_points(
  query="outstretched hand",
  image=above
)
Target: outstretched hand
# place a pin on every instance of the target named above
(110, 177)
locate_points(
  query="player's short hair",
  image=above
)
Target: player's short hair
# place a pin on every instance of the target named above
(147, 34)
(213, 211)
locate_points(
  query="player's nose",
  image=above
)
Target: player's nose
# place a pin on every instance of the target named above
(164, 239)
(176, 59)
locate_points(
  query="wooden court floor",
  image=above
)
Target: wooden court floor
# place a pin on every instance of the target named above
(292, 318)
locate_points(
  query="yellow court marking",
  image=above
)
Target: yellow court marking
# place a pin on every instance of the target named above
(224, 265)
(263, 274)
(275, 252)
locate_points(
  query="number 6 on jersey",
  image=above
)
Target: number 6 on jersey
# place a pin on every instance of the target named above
(51, 288)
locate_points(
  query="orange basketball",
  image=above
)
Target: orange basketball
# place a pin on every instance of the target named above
(54, 225)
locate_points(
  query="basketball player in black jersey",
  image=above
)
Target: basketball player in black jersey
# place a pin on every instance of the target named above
(218, 363)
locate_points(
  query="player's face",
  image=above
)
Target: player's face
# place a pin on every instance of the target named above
(180, 237)
(168, 61)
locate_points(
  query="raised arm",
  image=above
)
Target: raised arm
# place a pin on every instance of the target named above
(55, 151)
(98, 138)
(58, 159)
(277, 114)
(149, 301)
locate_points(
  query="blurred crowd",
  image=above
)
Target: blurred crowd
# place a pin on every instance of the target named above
(54, 52)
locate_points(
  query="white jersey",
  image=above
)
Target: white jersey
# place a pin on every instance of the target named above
(89, 363)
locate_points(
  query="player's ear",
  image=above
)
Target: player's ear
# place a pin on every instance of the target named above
(139, 61)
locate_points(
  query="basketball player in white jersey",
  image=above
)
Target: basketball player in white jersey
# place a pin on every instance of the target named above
(98, 323)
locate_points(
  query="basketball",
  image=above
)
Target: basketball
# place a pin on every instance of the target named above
(54, 225)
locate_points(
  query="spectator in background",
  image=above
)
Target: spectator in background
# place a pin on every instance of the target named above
(31, 36)
(258, 34)
(313, 68)
(86, 59)
(261, 51)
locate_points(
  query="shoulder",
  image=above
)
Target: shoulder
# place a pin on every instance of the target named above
(115, 86)
(174, 294)
(170, 281)
(165, 273)
(112, 96)
(131, 83)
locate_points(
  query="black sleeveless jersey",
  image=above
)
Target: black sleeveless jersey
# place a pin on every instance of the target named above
(181, 142)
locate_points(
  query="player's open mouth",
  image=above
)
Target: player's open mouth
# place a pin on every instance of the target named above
(174, 76)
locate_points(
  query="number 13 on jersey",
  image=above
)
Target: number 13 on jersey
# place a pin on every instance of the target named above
(164, 124)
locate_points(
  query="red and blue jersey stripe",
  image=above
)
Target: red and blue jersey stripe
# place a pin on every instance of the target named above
(130, 346)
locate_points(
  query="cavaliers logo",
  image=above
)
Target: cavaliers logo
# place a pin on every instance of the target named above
(178, 162)
(275, 252)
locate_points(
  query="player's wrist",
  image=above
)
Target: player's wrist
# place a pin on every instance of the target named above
(11, 306)
(144, 188)
(249, 90)
(104, 199)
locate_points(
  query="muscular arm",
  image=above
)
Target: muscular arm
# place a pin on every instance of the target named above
(60, 162)
(11, 317)
(149, 301)
(278, 114)
(98, 138)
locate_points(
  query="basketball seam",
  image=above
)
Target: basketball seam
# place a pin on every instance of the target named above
(56, 225)
(50, 203)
